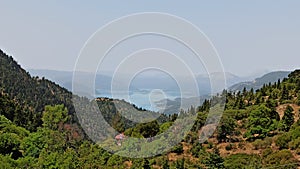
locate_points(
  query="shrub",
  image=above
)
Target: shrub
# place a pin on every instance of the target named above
(115, 160)
(177, 149)
(238, 161)
(266, 152)
(294, 144)
(258, 144)
(228, 147)
(283, 140)
(295, 133)
(268, 141)
(197, 149)
(283, 158)
(210, 145)
(262, 144)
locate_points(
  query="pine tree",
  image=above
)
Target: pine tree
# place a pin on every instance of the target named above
(285, 93)
(215, 160)
(278, 84)
(244, 92)
(288, 118)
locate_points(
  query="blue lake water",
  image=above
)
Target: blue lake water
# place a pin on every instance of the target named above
(144, 98)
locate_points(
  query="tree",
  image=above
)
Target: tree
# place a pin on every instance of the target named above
(288, 118)
(278, 84)
(43, 139)
(225, 128)
(284, 93)
(205, 106)
(271, 103)
(214, 160)
(11, 137)
(9, 144)
(53, 116)
(148, 129)
(33, 145)
(261, 121)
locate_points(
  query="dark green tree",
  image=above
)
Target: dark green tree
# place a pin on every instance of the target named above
(148, 129)
(284, 93)
(288, 118)
(261, 121)
(225, 128)
(214, 160)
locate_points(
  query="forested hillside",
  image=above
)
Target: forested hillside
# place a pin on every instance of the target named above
(259, 129)
(30, 94)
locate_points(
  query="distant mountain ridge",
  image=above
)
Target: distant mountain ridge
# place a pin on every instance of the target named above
(103, 84)
(259, 82)
(159, 81)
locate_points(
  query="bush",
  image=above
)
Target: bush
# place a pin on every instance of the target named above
(257, 144)
(262, 144)
(115, 160)
(294, 144)
(198, 150)
(268, 141)
(266, 152)
(281, 159)
(283, 140)
(210, 145)
(177, 149)
(238, 161)
(295, 133)
(228, 147)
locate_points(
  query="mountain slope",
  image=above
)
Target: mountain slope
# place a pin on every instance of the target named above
(259, 82)
(31, 93)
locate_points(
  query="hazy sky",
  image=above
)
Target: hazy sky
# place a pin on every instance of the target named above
(250, 37)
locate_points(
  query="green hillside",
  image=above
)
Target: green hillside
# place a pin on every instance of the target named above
(259, 129)
(30, 93)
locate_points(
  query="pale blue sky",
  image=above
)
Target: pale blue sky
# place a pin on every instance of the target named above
(250, 36)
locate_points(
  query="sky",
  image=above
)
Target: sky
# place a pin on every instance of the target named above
(250, 36)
